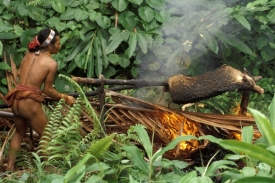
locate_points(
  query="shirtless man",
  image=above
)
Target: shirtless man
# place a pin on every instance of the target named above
(37, 68)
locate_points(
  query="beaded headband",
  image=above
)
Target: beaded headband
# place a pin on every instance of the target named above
(49, 39)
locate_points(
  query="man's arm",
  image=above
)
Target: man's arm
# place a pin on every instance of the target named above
(48, 86)
(48, 83)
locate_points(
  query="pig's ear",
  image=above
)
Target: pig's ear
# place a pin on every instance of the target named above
(256, 78)
(245, 71)
(244, 79)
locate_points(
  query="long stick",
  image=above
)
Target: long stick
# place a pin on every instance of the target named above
(134, 82)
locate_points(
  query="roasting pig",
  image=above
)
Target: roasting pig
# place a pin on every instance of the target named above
(185, 89)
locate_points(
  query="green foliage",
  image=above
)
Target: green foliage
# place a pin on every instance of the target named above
(259, 156)
(86, 28)
(84, 103)
(149, 39)
(62, 138)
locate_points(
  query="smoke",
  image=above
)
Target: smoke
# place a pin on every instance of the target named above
(188, 44)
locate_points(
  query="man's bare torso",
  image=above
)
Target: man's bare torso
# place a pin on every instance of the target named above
(35, 68)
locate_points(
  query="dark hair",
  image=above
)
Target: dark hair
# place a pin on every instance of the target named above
(41, 37)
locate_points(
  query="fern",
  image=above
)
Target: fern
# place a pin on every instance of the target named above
(54, 122)
(62, 134)
(62, 141)
(86, 104)
(35, 2)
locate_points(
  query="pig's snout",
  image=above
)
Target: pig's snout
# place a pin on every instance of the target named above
(259, 89)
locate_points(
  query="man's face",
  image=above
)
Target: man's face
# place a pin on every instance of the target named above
(56, 46)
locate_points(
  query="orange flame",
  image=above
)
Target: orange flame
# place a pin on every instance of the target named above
(237, 135)
(175, 125)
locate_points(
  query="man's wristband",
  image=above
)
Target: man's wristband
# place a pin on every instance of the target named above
(64, 96)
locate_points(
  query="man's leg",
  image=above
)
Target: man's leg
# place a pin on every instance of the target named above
(15, 144)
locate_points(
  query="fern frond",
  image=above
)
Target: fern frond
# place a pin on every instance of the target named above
(60, 140)
(88, 107)
(54, 122)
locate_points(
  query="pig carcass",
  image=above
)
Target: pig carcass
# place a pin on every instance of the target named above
(185, 89)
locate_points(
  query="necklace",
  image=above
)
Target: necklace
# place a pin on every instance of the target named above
(47, 53)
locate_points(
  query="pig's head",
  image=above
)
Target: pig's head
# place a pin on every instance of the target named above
(249, 82)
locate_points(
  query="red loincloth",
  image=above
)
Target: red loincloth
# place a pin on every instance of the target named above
(23, 92)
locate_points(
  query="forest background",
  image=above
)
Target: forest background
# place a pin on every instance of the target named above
(147, 39)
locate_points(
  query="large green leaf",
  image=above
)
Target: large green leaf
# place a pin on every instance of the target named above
(144, 139)
(68, 14)
(162, 16)
(4, 27)
(120, 5)
(171, 145)
(137, 158)
(201, 180)
(142, 42)
(4, 65)
(268, 53)
(124, 62)
(234, 42)
(1, 49)
(271, 109)
(80, 14)
(55, 22)
(187, 178)
(109, 71)
(156, 4)
(132, 44)
(116, 39)
(58, 5)
(22, 10)
(63, 85)
(113, 58)
(26, 36)
(243, 21)
(218, 165)
(87, 56)
(98, 57)
(240, 45)
(264, 126)
(103, 44)
(128, 19)
(247, 134)
(138, 2)
(261, 42)
(255, 180)
(8, 35)
(80, 46)
(80, 60)
(103, 21)
(253, 151)
(100, 146)
(75, 170)
(210, 41)
(97, 167)
(91, 65)
(146, 13)
(37, 14)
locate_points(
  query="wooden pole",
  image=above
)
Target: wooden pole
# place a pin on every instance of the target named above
(134, 82)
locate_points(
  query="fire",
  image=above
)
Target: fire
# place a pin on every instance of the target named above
(175, 125)
(237, 135)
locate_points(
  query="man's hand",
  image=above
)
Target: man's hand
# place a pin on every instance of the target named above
(69, 100)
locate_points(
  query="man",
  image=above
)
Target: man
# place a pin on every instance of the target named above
(37, 68)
